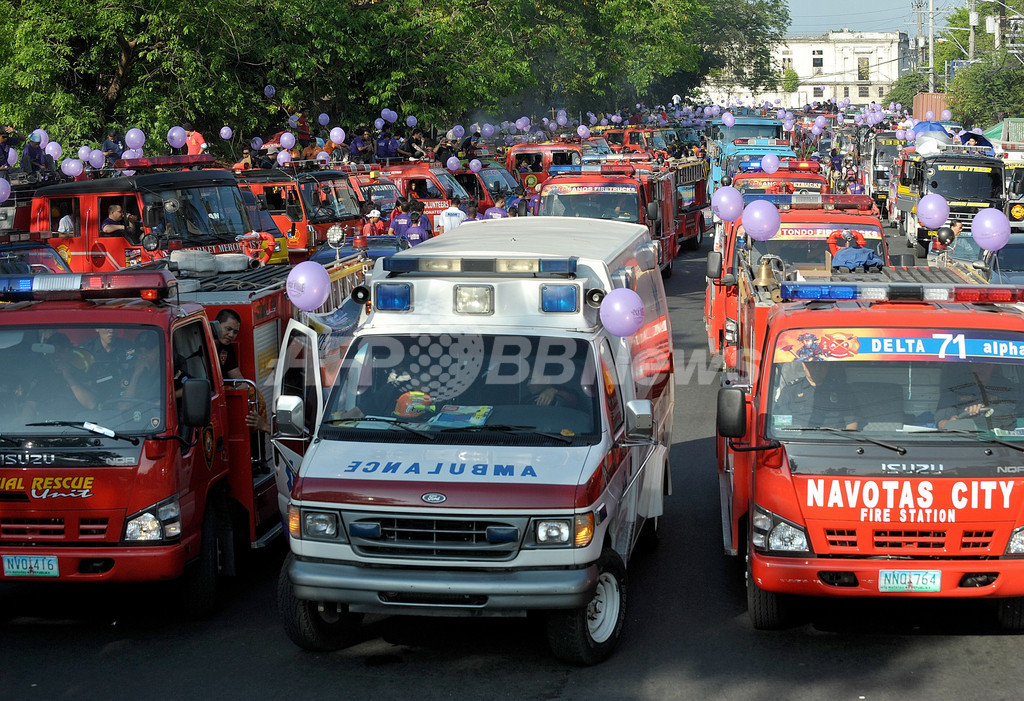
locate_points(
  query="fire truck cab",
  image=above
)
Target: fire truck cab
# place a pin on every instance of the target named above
(433, 185)
(521, 476)
(530, 164)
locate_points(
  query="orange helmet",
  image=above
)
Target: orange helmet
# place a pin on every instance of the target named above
(413, 404)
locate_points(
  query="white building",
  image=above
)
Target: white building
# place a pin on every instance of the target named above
(859, 65)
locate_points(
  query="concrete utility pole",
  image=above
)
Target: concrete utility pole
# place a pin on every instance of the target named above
(931, 45)
(972, 20)
(918, 4)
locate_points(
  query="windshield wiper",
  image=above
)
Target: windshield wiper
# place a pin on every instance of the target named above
(976, 434)
(846, 433)
(504, 428)
(404, 425)
(88, 426)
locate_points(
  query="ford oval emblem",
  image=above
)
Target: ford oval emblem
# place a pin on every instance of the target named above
(433, 497)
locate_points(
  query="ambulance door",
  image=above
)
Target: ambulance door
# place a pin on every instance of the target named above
(297, 375)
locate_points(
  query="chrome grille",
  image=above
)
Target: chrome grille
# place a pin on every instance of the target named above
(434, 538)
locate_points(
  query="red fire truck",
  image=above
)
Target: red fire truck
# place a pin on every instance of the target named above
(872, 445)
(530, 163)
(429, 183)
(126, 455)
(167, 207)
(792, 177)
(649, 140)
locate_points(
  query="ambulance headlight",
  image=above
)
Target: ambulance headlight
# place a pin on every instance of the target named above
(773, 533)
(577, 531)
(162, 521)
(553, 532)
(319, 525)
(474, 299)
(1016, 544)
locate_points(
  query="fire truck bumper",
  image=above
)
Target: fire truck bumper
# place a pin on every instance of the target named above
(443, 592)
(104, 564)
(917, 578)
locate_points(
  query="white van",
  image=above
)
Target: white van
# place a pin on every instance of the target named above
(486, 447)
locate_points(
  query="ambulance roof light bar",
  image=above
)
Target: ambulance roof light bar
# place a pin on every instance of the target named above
(149, 285)
(494, 266)
(901, 292)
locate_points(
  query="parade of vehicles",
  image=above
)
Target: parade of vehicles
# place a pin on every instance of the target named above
(667, 200)
(722, 142)
(742, 271)
(636, 139)
(430, 183)
(792, 177)
(746, 154)
(165, 210)
(520, 476)
(970, 179)
(882, 148)
(126, 455)
(871, 437)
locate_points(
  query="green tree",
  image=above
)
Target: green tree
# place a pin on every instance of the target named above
(908, 85)
(790, 80)
(987, 91)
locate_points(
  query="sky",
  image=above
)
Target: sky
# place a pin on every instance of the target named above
(814, 18)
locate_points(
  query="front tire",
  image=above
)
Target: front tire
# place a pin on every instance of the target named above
(588, 635)
(1010, 614)
(311, 625)
(199, 586)
(767, 609)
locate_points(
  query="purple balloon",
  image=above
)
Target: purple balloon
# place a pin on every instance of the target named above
(990, 229)
(487, 131)
(225, 132)
(727, 203)
(176, 137)
(780, 114)
(284, 157)
(910, 135)
(97, 159)
(323, 156)
(459, 131)
(728, 119)
(134, 138)
(901, 134)
(5, 190)
(324, 119)
(44, 138)
(338, 135)
(769, 163)
(410, 121)
(287, 140)
(269, 91)
(72, 167)
(308, 285)
(820, 121)
(378, 123)
(604, 122)
(83, 153)
(391, 117)
(452, 163)
(583, 131)
(816, 130)
(53, 150)
(475, 165)
(933, 210)
(256, 143)
(622, 312)
(929, 115)
(946, 115)
(761, 220)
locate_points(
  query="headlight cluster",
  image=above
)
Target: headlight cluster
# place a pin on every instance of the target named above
(577, 531)
(315, 524)
(773, 533)
(732, 333)
(1016, 544)
(161, 521)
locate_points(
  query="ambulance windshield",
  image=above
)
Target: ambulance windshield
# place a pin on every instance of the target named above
(899, 385)
(519, 390)
(328, 200)
(617, 202)
(201, 215)
(111, 376)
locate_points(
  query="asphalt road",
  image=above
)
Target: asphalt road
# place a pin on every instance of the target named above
(687, 635)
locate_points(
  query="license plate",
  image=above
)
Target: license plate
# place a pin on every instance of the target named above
(30, 566)
(909, 580)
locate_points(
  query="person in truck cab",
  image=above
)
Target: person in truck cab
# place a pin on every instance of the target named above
(65, 385)
(117, 223)
(817, 396)
(980, 394)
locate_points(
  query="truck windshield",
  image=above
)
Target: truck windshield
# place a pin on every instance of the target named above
(748, 131)
(619, 202)
(383, 195)
(656, 139)
(328, 200)
(904, 385)
(112, 376)
(523, 390)
(498, 181)
(202, 215)
(964, 182)
(807, 243)
(596, 145)
(450, 184)
(886, 151)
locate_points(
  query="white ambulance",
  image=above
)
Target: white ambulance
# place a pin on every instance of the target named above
(487, 447)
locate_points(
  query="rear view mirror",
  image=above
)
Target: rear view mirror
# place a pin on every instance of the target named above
(732, 413)
(714, 270)
(195, 402)
(290, 415)
(293, 210)
(653, 211)
(639, 420)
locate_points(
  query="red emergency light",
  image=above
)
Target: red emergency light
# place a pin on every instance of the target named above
(149, 285)
(793, 164)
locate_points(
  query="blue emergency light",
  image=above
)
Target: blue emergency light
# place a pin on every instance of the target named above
(901, 292)
(393, 296)
(750, 166)
(148, 285)
(559, 298)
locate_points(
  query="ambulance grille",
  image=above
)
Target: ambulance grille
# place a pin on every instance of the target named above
(436, 538)
(909, 541)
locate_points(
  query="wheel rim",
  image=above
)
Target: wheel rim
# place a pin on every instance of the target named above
(603, 609)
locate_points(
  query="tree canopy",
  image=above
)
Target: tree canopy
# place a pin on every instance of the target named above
(75, 67)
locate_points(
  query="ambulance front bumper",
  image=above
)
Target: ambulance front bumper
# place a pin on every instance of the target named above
(442, 592)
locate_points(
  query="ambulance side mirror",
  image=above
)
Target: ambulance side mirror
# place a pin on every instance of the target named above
(653, 211)
(732, 413)
(195, 402)
(290, 415)
(523, 207)
(639, 421)
(714, 270)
